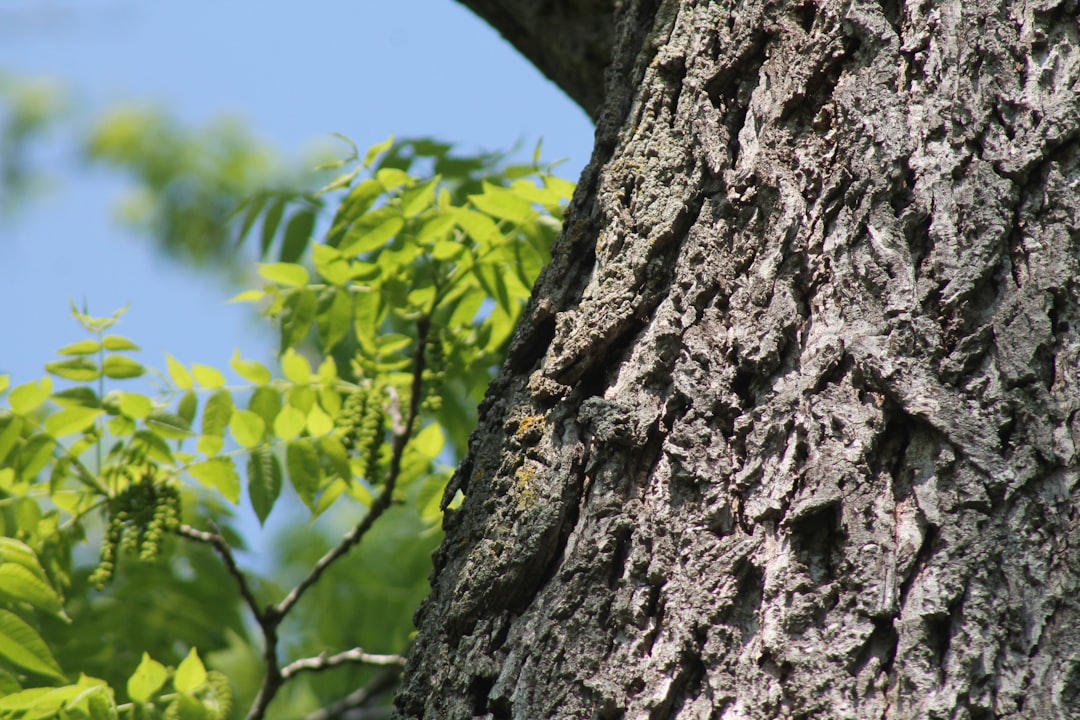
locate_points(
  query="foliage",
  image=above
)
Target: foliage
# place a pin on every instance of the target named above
(389, 330)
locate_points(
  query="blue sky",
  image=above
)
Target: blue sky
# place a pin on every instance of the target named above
(294, 72)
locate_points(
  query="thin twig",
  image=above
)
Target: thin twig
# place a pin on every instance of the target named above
(323, 661)
(381, 683)
(217, 541)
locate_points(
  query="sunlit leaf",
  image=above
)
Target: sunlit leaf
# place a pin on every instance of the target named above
(28, 397)
(418, 198)
(375, 150)
(217, 413)
(334, 318)
(20, 584)
(179, 374)
(251, 370)
(188, 406)
(289, 423)
(147, 679)
(190, 673)
(284, 273)
(21, 645)
(71, 420)
(318, 422)
(296, 367)
(78, 395)
(83, 347)
(218, 473)
(208, 377)
(117, 342)
(265, 402)
(429, 441)
(247, 428)
(135, 405)
(80, 369)
(297, 317)
(168, 425)
(120, 367)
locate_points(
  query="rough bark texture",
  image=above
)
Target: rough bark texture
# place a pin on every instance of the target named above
(567, 40)
(791, 427)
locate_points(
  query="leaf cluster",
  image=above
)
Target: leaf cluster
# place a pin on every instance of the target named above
(394, 294)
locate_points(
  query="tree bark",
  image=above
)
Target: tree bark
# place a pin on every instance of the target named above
(790, 427)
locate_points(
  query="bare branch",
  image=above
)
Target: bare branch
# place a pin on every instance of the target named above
(324, 661)
(382, 683)
(221, 546)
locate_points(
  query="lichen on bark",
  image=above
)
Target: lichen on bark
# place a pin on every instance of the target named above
(790, 426)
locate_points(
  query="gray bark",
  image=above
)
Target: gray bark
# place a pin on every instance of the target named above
(790, 428)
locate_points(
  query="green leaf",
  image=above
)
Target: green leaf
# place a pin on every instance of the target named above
(318, 422)
(179, 374)
(334, 451)
(252, 295)
(303, 464)
(188, 406)
(478, 226)
(297, 234)
(265, 402)
(210, 445)
(34, 455)
(334, 318)
(28, 397)
(375, 150)
(120, 367)
(247, 428)
(80, 369)
(372, 231)
(339, 181)
(289, 423)
(19, 584)
(83, 347)
(331, 265)
(168, 425)
(217, 413)
(392, 177)
(270, 225)
(21, 645)
(296, 367)
(219, 473)
(284, 273)
(419, 198)
(135, 405)
(254, 206)
(71, 420)
(564, 188)
(190, 674)
(297, 317)
(154, 445)
(208, 377)
(264, 480)
(5, 382)
(147, 679)
(10, 432)
(117, 342)
(251, 370)
(356, 203)
(429, 441)
(79, 395)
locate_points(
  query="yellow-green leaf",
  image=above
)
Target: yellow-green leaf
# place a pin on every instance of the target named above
(219, 473)
(146, 680)
(71, 420)
(79, 369)
(318, 422)
(118, 342)
(216, 414)
(120, 367)
(429, 441)
(83, 347)
(19, 584)
(289, 423)
(247, 427)
(375, 150)
(251, 370)
(135, 405)
(207, 376)
(296, 367)
(210, 445)
(190, 674)
(179, 373)
(5, 382)
(28, 397)
(21, 645)
(303, 464)
(287, 274)
(252, 295)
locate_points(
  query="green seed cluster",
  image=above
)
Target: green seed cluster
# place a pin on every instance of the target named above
(434, 376)
(140, 516)
(360, 426)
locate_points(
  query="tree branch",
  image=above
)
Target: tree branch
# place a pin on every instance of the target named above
(324, 661)
(217, 541)
(381, 683)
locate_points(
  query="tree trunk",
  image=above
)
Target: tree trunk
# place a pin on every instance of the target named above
(790, 429)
